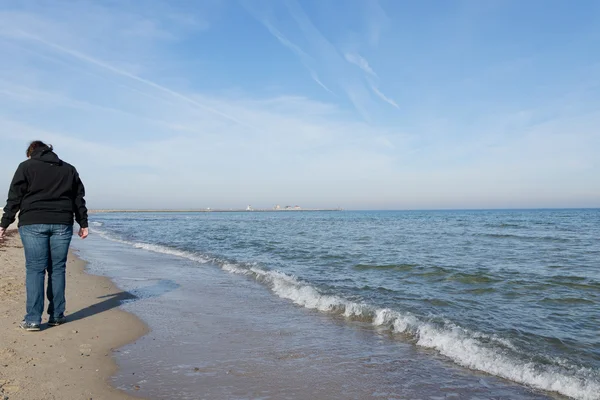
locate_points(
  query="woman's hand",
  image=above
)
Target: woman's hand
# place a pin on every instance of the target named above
(83, 232)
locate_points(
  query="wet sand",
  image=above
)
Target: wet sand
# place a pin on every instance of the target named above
(71, 361)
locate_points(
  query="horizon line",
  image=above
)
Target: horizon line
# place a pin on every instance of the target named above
(98, 210)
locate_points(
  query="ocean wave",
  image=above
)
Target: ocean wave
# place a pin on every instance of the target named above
(506, 225)
(574, 282)
(475, 350)
(481, 290)
(567, 300)
(476, 278)
(396, 267)
(523, 237)
(503, 236)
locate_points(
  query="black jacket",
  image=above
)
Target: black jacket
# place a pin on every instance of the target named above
(46, 190)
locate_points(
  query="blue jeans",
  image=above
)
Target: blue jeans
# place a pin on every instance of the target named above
(46, 247)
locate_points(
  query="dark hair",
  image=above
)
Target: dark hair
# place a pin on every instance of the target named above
(36, 144)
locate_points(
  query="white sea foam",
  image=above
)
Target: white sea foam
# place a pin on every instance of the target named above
(464, 347)
(156, 248)
(107, 236)
(466, 350)
(174, 252)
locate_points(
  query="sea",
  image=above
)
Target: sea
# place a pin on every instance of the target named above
(473, 304)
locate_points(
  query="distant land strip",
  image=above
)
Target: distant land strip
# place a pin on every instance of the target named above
(216, 210)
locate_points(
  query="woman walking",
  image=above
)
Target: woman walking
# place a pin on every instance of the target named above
(47, 192)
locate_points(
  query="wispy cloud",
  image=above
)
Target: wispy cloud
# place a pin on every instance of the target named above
(315, 77)
(377, 21)
(285, 41)
(305, 58)
(84, 57)
(384, 97)
(372, 78)
(328, 66)
(360, 62)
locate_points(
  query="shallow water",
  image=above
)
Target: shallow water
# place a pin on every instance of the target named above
(511, 294)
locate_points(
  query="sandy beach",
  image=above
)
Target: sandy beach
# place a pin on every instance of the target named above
(71, 361)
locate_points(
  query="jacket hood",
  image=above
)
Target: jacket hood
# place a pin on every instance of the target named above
(46, 154)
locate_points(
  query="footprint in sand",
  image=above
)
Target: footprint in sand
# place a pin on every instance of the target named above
(7, 353)
(85, 349)
(10, 388)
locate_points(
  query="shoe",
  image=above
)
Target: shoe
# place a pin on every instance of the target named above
(56, 321)
(30, 326)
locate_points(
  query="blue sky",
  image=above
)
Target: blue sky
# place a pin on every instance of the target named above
(359, 104)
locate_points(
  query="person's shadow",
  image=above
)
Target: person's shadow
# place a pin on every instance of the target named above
(114, 300)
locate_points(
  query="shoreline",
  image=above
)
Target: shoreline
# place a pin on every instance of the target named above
(71, 361)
